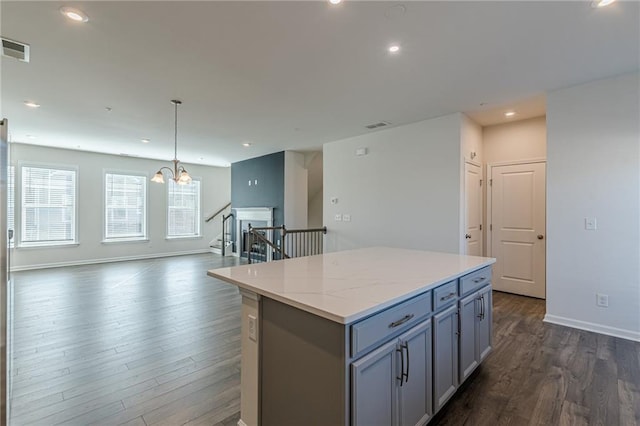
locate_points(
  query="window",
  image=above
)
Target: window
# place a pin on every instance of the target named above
(125, 207)
(48, 206)
(183, 203)
(11, 190)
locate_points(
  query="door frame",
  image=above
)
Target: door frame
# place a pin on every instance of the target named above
(489, 174)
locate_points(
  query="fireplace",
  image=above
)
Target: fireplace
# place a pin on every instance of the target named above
(257, 217)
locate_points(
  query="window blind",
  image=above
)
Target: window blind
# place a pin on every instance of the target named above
(183, 209)
(125, 203)
(48, 205)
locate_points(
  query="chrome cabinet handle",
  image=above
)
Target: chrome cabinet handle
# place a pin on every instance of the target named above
(447, 297)
(401, 321)
(401, 378)
(479, 280)
(406, 375)
(479, 303)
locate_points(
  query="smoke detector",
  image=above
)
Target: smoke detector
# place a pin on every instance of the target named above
(15, 49)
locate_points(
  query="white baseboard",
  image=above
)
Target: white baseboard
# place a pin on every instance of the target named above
(596, 328)
(105, 260)
(241, 423)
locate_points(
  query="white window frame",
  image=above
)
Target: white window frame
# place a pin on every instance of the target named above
(19, 199)
(145, 214)
(198, 233)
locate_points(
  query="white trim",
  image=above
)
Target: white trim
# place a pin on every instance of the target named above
(515, 162)
(124, 240)
(243, 214)
(46, 245)
(106, 260)
(241, 423)
(596, 328)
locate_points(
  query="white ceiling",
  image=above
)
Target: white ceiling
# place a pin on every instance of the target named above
(292, 75)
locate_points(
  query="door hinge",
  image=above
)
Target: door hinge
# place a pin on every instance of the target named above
(490, 182)
(480, 182)
(481, 227)
(491, 227)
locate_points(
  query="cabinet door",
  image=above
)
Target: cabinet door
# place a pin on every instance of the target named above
(374, 383)
(485, 326)
(445, 355)
(414, 395)
(469, 315)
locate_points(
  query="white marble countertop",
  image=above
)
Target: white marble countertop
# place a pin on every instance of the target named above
(349, 285)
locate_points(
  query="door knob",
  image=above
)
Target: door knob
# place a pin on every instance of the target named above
(540, 236)
(468, 237)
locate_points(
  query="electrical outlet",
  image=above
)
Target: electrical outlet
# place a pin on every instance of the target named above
(253, 325)
(334, 200)
(602, 300)
(590, 223)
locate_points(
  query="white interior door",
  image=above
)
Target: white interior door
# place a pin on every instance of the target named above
(518, 226)
(473, 209)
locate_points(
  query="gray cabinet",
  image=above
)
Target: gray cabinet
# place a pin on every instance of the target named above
(445, 355)
(475, 330)
(392, 385)
(414, 392)
(374, 379)
(485, 339)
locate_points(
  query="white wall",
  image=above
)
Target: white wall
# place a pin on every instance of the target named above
(593, 157)
(404, 193)
(215, 190)
(295, 191)
(514, 141)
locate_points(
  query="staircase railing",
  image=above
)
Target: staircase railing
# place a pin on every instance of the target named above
(288, 243)
(217, 212)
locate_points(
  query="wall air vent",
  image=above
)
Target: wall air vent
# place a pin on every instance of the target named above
(15, 49)
(376, 125)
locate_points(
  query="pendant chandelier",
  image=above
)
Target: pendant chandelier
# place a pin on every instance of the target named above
(179, 174)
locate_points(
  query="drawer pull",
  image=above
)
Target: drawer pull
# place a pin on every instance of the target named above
(447, 297)
(401, 321)
(479, 280)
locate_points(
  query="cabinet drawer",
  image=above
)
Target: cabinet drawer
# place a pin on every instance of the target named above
(475, 280)
(445, 295)
(377, 328)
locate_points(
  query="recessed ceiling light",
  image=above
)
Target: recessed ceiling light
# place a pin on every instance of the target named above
(394, 48)
(74, 14)
(601, 3)
(335, 1)
(31, 104)
(246, 144)
(509, 114)
(145, 140)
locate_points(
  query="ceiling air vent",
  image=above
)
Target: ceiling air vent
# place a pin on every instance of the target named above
(376, 125)
(15, 49)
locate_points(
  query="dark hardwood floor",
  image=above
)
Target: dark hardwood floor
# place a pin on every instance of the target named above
(156, 342)
(139, 343)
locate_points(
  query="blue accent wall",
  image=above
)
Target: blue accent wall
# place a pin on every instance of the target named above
(268, 170)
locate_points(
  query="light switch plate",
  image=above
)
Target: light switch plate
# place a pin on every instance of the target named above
(346, 218)
(338, 218)
(590, 223)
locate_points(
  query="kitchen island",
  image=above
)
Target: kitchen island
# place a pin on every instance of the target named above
(362, 337)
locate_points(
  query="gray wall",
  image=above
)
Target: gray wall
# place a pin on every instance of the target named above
(268, 170)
